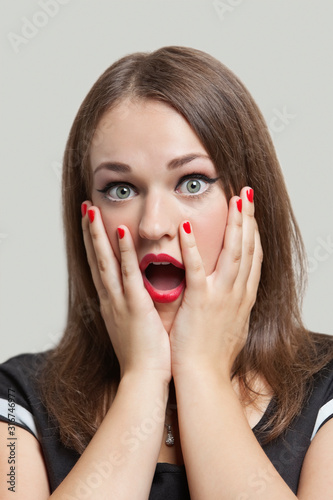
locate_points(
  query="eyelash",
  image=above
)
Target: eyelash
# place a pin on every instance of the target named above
(194, 176)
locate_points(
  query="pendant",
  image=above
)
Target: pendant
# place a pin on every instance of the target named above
(170, 440)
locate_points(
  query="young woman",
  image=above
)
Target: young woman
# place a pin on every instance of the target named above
(184, 370)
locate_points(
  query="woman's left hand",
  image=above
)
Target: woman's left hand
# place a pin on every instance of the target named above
(211, 325)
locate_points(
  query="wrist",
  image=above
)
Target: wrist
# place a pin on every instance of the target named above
(198, 369)
(153, 379)
(198, 378)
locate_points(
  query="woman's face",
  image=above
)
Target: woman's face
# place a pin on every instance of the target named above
(151, 173)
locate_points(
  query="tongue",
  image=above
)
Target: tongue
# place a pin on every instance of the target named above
(164, 277)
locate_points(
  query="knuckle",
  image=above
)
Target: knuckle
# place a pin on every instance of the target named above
(235, 225)
(126, 270)
(95, 235)
(102, 264)
(126, 265)
(125, 254)
(191, 244)
(103, 296)
(250, 214)
(249, 248)
(236, 257)
(196, 266)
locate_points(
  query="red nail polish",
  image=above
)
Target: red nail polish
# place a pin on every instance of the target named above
(239, 205)
(83, 209)
(187, 227)
(91, 215)
(249, 194)
(121, 232)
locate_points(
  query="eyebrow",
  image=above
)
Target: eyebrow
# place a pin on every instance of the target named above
(182, 160)
(175, 163)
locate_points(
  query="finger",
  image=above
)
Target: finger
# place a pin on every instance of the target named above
(131, 275)
(248, 236)
(194, 269)
(103, 263)
(254, 277)
(228, 264)
(91, 256)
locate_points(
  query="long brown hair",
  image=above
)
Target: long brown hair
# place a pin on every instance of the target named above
(81, 370)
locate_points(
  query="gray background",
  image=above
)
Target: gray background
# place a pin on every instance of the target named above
(280, 49)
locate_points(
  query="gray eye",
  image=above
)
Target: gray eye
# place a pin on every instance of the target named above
(123, 192)
(193, 186)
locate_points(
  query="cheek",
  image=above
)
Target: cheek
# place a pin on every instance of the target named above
(209, 234)
(112, 219)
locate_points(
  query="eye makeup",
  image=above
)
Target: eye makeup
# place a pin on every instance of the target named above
(195, 180)
(123, 185)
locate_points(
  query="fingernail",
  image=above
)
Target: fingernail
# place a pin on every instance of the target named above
(83, 209)
(249, 194)
(239, 205)
(121, 232)
(91, 215)
(187, 227)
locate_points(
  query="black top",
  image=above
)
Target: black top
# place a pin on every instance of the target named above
(18, 381)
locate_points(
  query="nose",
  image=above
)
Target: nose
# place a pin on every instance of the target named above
(158, 218)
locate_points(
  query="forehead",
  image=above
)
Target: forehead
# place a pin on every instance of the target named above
(142, 128)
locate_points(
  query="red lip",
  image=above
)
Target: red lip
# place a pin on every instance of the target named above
(161, 296)
(161, 257)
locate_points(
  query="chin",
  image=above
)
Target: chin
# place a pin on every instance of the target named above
(167, 311)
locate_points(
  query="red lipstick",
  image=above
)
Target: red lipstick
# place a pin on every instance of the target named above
(163, 277)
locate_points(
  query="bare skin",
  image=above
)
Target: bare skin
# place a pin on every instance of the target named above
(192, 341)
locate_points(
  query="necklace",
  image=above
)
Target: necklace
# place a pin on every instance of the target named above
(170, 440)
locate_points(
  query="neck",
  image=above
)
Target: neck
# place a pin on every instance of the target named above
(172, 401)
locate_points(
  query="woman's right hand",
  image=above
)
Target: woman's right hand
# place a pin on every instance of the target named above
(139, 339)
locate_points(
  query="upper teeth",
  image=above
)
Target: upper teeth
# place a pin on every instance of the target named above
(160, 263)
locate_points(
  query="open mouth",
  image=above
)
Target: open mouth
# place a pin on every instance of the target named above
(164, 275)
